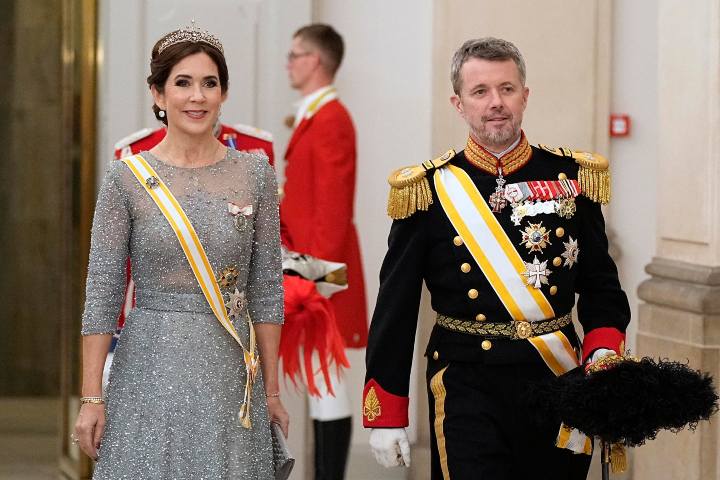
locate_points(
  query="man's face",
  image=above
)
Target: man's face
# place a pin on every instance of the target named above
(301, 62)
(492, 101)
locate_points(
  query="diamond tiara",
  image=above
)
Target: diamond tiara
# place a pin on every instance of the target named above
(190, 34)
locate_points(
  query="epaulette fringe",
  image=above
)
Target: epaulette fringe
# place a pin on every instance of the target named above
(593, 174)
(410, 188)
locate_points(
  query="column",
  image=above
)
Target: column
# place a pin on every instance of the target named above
(680, 318)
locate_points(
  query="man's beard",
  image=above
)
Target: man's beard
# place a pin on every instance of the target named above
(500, 137)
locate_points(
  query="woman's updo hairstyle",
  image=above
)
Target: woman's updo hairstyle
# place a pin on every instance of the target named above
(176, 45)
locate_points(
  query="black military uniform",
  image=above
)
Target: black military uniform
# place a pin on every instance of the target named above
(479, 359)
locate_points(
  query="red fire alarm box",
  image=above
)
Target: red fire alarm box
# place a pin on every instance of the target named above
(619, 125)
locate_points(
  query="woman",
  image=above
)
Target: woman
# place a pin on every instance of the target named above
(179, 378)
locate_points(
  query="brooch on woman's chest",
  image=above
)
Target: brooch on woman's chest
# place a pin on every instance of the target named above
(241, 215)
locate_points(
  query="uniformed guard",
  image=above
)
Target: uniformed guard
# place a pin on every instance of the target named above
(505, 235)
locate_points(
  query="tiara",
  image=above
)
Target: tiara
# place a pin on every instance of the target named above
(190, 34)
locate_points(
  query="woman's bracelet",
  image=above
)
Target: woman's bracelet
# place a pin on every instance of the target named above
(272, 395)
(93, 400)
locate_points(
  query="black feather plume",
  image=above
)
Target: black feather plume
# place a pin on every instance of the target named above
(629, 402)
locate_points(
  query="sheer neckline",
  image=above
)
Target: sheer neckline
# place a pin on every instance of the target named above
(151, 156)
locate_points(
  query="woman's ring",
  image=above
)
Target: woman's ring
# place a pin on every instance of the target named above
(74, 438)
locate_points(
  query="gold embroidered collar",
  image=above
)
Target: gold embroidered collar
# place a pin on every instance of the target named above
(511, 161)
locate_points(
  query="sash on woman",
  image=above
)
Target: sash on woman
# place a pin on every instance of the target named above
(198, 260)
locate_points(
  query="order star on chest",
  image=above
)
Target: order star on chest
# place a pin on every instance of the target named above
(536, 273)
(535, 237)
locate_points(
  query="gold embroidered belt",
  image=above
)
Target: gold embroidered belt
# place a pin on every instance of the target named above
(518, 330)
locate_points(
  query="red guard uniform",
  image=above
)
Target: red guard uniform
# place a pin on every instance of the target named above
(318, 202)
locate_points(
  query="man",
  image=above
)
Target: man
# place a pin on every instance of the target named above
(317, 212)
(504, 236)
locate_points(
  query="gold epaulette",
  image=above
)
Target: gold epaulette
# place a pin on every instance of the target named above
(410, 189)
(593, 175)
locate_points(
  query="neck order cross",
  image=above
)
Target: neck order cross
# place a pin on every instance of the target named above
(505, 165)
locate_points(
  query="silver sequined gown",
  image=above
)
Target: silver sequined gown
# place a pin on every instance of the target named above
(177, 378)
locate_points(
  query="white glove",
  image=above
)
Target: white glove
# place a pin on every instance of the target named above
(390, 446)
(600, 353)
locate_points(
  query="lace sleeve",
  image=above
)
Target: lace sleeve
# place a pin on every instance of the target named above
(105, 286)
(264, 287)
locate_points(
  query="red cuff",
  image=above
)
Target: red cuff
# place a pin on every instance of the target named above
(383, 409)
(604, 337)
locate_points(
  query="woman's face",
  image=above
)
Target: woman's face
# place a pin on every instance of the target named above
(192, 95)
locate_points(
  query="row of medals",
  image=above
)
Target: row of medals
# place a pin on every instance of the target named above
(535, 237)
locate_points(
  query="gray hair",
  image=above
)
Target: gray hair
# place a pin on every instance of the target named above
(486, 48)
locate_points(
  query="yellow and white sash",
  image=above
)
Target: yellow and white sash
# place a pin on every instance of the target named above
(502, 265)
(560, 357)
(489, 245)
(196, 256)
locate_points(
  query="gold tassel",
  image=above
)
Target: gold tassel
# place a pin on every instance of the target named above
(595, 184)
(252, 362)
(409, 198)
(618, 458)
(410, 188)
(593, 174)
(244, 416)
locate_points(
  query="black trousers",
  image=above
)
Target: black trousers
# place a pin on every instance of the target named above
(482, 429)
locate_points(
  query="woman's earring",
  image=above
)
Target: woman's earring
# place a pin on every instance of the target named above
(161, 114)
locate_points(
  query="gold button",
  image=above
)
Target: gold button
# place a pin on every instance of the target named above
(486, 344)
(436, 355)
(557, 261)
(465, 267)
(457, 241)
(472, 293)
(560, 232)
(480, 317)
(562, 176)
(553, 290)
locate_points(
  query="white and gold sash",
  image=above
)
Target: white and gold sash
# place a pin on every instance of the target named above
(560, 357)
(489, 245)
(502, 265)
(196, 256)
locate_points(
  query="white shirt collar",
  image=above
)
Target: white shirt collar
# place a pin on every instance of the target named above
(514, 144)
(304, 103)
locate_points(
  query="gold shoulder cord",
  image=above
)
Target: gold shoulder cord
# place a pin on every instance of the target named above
(410, 188)
(593, 175)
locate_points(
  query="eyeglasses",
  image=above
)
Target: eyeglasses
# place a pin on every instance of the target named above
(292, 56)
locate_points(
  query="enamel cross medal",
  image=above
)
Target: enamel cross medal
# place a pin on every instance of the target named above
(497, 199)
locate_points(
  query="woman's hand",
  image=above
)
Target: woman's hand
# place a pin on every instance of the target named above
(89, 428)
(278, 414)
